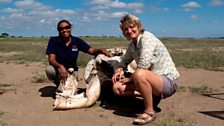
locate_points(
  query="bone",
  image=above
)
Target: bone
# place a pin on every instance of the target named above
(69, 86)
(96, 72)
(82, 100)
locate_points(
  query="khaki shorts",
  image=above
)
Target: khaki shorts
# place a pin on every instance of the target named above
(169, 87)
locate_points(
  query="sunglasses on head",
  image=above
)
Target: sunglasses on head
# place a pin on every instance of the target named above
(62, 28)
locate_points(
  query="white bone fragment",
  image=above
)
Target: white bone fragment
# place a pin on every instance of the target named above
(95, 74)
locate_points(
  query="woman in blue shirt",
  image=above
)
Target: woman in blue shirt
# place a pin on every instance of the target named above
(63, 51)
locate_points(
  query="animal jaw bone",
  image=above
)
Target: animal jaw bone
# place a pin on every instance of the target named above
(68, 86)
(82, 100)
(116, 55)
(96, 72)
(108, 63)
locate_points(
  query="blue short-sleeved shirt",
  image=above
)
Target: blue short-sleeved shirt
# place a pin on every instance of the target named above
(67, 55)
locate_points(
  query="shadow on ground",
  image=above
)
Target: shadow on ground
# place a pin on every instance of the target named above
(215, 95)
(48, 91)
(216, 114)
(122, 106)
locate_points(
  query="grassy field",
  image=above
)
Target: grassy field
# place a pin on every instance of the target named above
(186, 52)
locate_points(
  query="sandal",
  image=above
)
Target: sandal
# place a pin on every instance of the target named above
(144, 118)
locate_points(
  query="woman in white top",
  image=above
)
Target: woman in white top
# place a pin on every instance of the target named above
(156, 73)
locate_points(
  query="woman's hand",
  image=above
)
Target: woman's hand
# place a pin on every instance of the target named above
(96, 52)
(105, 52)
(118, 75)
(125, 80)
(63, 72)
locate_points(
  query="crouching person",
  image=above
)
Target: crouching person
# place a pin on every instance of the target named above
(63, 51)
(156, 73)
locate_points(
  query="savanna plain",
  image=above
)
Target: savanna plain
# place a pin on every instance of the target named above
(26, 95)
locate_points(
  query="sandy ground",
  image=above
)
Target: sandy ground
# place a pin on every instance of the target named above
(26, 103)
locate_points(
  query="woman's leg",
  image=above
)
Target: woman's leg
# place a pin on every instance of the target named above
(52, 74)
(148, 84)
(129, 89)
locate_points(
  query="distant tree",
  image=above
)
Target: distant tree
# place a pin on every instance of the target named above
(4, 35)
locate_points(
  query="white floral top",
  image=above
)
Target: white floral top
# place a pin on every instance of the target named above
(150, 53)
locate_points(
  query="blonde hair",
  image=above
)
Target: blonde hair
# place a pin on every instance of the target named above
(129, 18)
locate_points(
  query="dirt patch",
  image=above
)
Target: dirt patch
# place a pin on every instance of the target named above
(6, 54)
(29, 103)
(218, 49)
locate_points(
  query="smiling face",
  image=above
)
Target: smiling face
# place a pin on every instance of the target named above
(130, 30)
(131, 27)
(64, 29)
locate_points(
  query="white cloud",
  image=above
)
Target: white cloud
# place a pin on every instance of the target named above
(215, 21)
(117, 4)
(2, 18)
(52, 13)
(100, 2)
(65, 12)
(118, 14)
(85, 18)
(31, 4)
(10, 10)
(100, 7)
(154, 9)
(166, 9)
(190, 6)
(105, 4)
(194, 17)
(216, 3)
(5, 1)
(17, 16)
(138, 11)
(107, 9)
(45, 21)
(102, 15)
(135, 5)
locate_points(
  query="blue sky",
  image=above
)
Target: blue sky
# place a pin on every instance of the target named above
(164, 18)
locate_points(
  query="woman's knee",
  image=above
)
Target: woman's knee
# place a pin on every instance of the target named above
(139, 74)
(51, 72)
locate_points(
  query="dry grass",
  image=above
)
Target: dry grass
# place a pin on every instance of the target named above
(188, 52)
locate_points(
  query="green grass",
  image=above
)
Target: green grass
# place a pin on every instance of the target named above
(2, 123)
(201, 90)
(4, 85)
(26, 51)
(206, 59)
(1, 113)
(173, 121)
(197, 90)
(83, 59)
(39, 79)
(25, 39)
(186, 52)
(181, 88)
